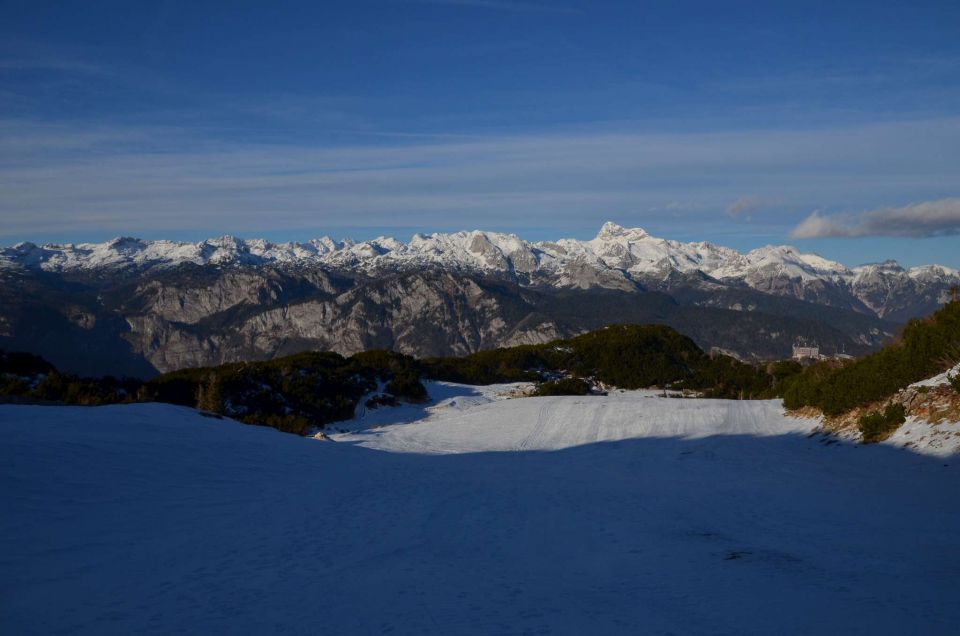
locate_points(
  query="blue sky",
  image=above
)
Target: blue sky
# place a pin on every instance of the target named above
(833, 126)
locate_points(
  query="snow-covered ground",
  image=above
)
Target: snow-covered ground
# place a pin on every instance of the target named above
(940, 379)
(470, 419)
(940, 438)
(446, 398)
(625, 514)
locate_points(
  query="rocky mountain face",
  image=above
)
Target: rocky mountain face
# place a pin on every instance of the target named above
(137, 307)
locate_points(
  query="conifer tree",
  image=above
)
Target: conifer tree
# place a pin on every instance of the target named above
(210, 395)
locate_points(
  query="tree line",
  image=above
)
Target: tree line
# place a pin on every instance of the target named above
(305, 390)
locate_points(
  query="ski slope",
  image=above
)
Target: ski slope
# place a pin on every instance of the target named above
(469, 419)
(625, 514)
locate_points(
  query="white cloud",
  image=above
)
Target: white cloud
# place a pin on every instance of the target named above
(816, 226)
(917, 220)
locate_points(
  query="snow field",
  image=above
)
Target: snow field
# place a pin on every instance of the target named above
(474, 419)
(654, 516)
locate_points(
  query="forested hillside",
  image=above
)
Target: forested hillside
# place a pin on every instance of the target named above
(926, 347)
(306, 390)
(625, 356)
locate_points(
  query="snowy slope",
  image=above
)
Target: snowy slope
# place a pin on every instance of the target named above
(468, 419)
(934, 436)
(941, 379)
(152, 518)
(942, 438)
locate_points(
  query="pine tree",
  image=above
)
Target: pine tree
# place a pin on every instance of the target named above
(955, 381)
(210, 395)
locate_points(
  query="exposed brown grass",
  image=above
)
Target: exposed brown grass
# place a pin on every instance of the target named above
(929, 404)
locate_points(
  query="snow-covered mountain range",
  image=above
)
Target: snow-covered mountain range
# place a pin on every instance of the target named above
(629, 250)
(617, 258)
(135, 306)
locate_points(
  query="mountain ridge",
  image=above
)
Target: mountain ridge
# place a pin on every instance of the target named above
(132, 305)
(617, 258)
(477, 248)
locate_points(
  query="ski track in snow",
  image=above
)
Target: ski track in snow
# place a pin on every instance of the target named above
(625, 514)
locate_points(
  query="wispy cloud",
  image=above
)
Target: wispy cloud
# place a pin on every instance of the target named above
(50, 64)
(917, 220)
(140, 179)
(19, 55)
(745, 207)
(880, 72)
(502, 5)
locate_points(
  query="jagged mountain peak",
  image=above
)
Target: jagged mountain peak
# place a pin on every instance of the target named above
(121, 242)
(793, 263)
(887, 266)
(893, 268)
(611, 230)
